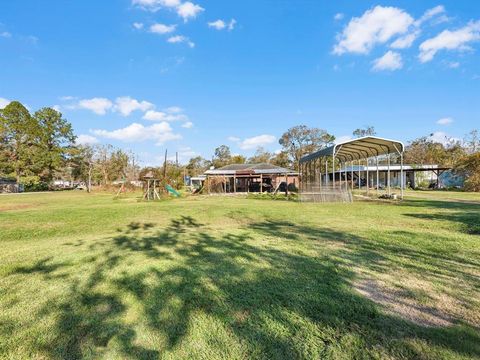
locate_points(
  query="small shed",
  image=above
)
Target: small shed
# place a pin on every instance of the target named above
(245, 178)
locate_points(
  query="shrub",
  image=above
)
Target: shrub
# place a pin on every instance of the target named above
(33, 183)
(469, 166)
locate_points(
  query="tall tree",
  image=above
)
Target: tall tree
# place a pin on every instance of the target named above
(197, 165)
(261, 156)
(301, 140)
(425, 150)
(367, 131)
(472, 141)
(83, 164)
(222, 156)
(55, 138)
(238, 159)
(281, 159)
(19, 132)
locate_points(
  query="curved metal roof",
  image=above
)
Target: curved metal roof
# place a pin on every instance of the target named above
(356, 149)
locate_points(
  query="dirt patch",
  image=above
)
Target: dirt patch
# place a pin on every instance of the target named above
(14, 207)
(398, 303)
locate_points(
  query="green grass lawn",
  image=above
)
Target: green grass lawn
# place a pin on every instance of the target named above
(87, 276)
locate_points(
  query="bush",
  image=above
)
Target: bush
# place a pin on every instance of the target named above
(270, 196)
(33, 183)
(469, 166)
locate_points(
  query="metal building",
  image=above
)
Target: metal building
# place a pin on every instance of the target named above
(329, 174)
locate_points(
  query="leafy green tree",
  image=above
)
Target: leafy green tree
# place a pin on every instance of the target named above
(301, 140)
(83, 164)
(238, 159)
(260, 156)
(469, 166)
(197, 165)
(19, 135)
(472, 142)
(367, 131)
(281, 159)
(222, 156)
(55, 139)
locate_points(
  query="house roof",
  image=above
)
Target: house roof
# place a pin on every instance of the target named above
(261, 168)
(361, 148)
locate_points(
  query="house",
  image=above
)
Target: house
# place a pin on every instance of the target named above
(245, 178)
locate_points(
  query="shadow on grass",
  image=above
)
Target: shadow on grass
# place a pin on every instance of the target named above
(466, 214)
(278, 303)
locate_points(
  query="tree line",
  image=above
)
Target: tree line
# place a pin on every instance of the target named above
(40, 147)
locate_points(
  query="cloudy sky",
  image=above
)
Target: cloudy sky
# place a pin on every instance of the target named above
(191, 75)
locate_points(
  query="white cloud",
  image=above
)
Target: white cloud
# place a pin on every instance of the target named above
(187, 125)
(154, 5)
(338, 16)
(233, 139)
(98, 105)
(220, 24)
(180, 39)
(135, 132)
(5, 34)
(430, 13)
(125, 105)
(406, 41)
(450, 40)
(231, 24)
(443, 138)
(390, 61)
(164, 116)
(453, 64)
(174, 110)
(138, 25)
(217, 24)
(84, 139)
(162, 28)
(375, 26)
(445, 121)
(189, 10)
(4, 102)
(256, 141)
(57, 108)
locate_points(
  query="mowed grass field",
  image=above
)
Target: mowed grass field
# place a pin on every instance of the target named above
(87, 276)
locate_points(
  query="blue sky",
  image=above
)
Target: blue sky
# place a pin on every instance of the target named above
(191, 75)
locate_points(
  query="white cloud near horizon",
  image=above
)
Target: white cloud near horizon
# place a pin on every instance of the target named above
(187, 125)
(450, 40)
(390, 61)
(135, 132)
(253, 142)
(84, 139)
(445, 121)
(375, 26)
(443, 138)
(338, 16)
(138, 25)
(4, 102)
